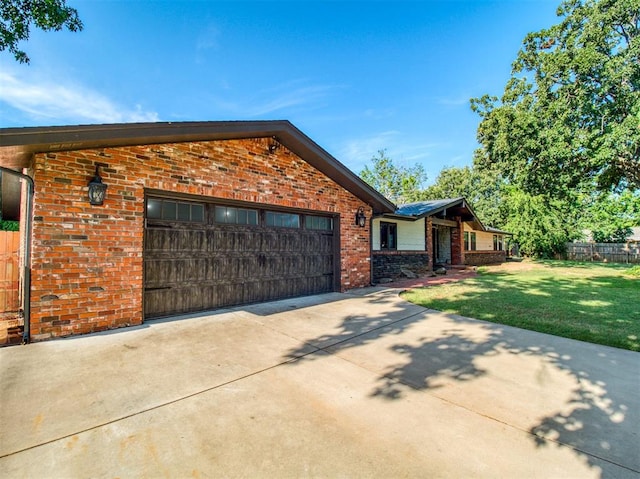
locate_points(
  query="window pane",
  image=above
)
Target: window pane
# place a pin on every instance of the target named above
(232, 216)
(388, 235)
(318, 223)
(184, 211)
(237, 216)
(392, 236)
(269, 218)
(154, 209)
(197, 213)
(285, 220)
(220, 214)
(169, 210)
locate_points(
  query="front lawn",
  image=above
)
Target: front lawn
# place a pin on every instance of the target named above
(594, 302)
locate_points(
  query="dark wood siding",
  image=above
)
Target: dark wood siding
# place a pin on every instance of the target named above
(201, 266)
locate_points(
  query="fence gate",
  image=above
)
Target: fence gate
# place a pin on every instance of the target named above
(9, 271)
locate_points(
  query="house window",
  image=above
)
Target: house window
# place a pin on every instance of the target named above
(284, 220)
(236, 216)
(388, 235)
(469, 241)
(318, 223)
(169, 210)
(497, 243)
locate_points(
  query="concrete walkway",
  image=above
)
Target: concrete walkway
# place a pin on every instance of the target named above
(337, 385)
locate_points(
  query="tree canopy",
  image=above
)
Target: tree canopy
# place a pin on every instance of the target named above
(482, 190)
(570, 114)
(611, 217)
(560, 149)
(17, 16)
(398, 183)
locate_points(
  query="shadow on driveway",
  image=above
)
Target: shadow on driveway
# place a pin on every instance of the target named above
(565, 393)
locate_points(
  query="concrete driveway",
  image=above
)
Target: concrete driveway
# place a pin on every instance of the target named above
(337, 385)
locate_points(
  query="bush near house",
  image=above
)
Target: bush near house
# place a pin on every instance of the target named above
(6, 225)
(598, 303)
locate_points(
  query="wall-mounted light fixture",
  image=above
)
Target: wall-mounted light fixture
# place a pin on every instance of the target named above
(361, 219)
(97, 189)
(273, 145)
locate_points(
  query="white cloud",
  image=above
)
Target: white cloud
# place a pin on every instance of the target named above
(361, 150)
(284, 97)
(357, 153)
(462, 100)
(58, 102)
(299, 96)
(208, 38)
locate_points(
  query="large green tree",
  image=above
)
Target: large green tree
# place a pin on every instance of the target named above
(611, 217)
(483, 190)
(400, 184)
(541, 225)
(569, 117)
(17, 17)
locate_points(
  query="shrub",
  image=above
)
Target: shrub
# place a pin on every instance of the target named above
(6, 225)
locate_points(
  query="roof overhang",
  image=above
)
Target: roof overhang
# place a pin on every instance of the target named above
(498, 231)
(457, 207)
(393, 216)
(18, 145)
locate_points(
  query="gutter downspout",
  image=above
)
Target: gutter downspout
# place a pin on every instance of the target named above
(26, 276)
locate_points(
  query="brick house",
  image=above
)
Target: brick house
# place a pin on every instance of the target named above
(419, 236)
(196, 216)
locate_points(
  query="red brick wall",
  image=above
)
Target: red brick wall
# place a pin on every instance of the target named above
(428, 233)
(457, 243)
(477, 258)
(87, 271)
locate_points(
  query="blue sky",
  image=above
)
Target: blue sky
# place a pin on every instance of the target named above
(356, 76)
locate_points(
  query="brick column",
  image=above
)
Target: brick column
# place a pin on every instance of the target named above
(457, 243)
(428, 235)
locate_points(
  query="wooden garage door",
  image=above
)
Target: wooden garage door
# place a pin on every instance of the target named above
(201, 256)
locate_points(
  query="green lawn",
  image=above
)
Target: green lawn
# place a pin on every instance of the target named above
(599, 303)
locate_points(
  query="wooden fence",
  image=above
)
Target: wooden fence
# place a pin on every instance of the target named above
(9, 271)
(605, 252)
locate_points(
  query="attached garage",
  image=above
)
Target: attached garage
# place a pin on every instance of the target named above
(201, 256)
(196, 216)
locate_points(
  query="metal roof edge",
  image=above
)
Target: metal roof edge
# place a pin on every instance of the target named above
(443, 207)
(398, 217)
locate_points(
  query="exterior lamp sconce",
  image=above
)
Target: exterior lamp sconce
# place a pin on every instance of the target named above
(361, 218)
(97, 189)
(273, 145)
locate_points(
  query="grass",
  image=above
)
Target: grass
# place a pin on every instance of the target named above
(598, 303)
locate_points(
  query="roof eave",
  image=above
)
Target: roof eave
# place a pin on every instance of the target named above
(18, 145)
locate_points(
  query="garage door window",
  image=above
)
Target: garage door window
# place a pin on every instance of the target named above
(284, 220)
(236, 216)
(318, 223)
(174, 211)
